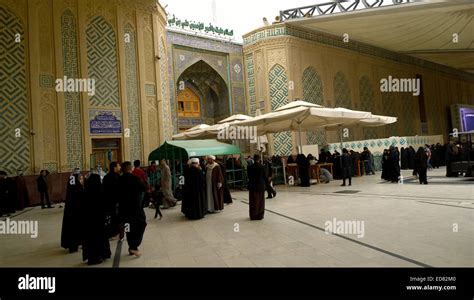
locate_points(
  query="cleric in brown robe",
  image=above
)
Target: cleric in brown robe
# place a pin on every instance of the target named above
(214, 185)
(256, 187)
(227, 195)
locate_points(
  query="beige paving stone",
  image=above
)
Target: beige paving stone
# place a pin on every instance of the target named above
(395, 220)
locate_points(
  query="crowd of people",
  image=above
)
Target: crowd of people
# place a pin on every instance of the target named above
(113, 205)
(102, 206)
(99, 208)
(344, 165)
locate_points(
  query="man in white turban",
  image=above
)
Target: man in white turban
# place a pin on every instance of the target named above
(214, 185)
(194, 205)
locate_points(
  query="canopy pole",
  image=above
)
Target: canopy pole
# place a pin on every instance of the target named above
(300, 150)
(340, 136)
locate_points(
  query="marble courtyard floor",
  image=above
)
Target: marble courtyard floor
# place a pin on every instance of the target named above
(405, 225)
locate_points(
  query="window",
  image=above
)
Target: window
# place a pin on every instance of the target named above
(188, 104)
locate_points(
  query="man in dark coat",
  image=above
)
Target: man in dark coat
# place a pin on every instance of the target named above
(451, 156)
(43, 188)
(95, 245)
(256, 187)
(71, 235)
(131, 210)
(194, 204)
(346, 165)
(303, 169)
(112, 196)
(269, 175)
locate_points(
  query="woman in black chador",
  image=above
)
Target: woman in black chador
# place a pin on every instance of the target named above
(95, 246)
(421, 165)
(303, 169)
(72, 221)
(112, 195)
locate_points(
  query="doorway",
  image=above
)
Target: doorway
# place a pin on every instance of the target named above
(105, 151)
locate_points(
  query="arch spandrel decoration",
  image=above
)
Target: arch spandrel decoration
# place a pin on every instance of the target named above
(14, 149)
(279, 93)
(313, 93)
(185, 60)
(212, 90)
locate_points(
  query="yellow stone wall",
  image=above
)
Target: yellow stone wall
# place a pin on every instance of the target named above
(44, 110)
(280, 45)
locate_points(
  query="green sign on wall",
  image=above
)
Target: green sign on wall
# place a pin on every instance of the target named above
(199, 26)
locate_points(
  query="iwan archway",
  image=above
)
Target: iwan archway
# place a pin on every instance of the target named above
(208, 69)
(202, 96)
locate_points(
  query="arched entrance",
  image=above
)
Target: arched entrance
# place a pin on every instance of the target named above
(202, 96)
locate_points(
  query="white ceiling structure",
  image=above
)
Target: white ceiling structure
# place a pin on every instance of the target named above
(424, 29)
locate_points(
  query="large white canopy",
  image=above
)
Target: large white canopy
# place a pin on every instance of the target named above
(303, 116)
(210, 131)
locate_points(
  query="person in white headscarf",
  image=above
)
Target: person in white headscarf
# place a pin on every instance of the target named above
(214, 185)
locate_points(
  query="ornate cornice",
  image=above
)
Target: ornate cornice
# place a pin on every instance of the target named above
(281, 41)
(189, 40)
(142, 5)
